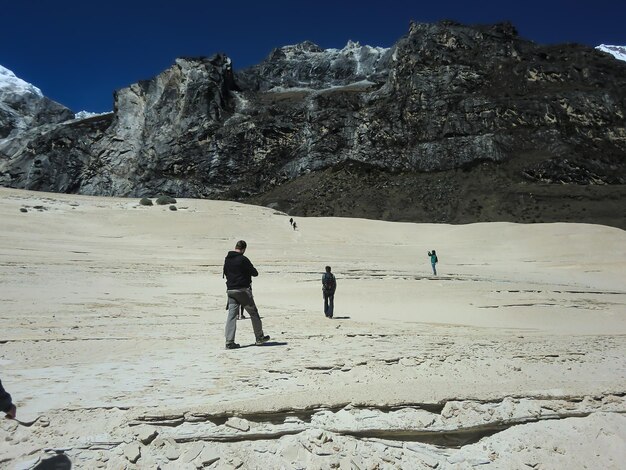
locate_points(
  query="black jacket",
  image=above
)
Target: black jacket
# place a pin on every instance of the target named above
(329, 283)
(238, 271)
(5, 400)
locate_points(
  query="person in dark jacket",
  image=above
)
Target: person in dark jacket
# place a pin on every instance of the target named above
(6, 405)
(329, 285)
(239, 272)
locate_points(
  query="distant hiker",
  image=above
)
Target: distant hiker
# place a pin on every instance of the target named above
(239, 271)
(294, 225)
(433, 261)
(291, 221)
(241, 316)
(329, 285)
(6, 405)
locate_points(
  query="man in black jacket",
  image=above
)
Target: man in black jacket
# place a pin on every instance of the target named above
(6, 405)
(239, 271)
(329, 285)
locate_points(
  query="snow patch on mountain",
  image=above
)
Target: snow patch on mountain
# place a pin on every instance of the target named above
(9, 82)
(23, 106)
(619, 52)
(88, 114)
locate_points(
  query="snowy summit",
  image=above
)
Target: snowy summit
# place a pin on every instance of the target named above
(619, 52)
(87, 114)
(23, 106)
(10, 83)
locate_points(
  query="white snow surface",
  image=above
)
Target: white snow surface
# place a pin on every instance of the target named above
(88, 114)
(619, 52)
(9, 82)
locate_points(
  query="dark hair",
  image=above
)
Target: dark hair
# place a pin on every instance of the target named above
(327, 269)
(241, 245)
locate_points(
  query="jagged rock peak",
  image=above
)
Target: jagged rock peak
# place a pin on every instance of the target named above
(307, 65)
(299, 49)
(504, 28)
(449, 42)
(218, 60)
(185, 72)
(308, 49)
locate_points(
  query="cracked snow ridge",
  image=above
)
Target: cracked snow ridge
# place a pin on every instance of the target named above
(453, 424)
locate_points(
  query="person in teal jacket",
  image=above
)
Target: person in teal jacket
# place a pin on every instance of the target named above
(433, 261)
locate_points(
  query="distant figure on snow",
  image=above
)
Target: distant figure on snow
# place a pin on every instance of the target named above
(294, 225)
(239, 271)
(6, 405)
(433, 261)
(329, 285)
(291, 221)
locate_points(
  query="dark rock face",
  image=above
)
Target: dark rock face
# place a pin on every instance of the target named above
(156, 139)
(452, 124)
(162, 134)
(56, 158)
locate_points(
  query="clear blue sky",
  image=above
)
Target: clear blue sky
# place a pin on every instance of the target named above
(79, 52)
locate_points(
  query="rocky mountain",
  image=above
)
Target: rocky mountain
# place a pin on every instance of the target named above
(454, 123)
(23, 106)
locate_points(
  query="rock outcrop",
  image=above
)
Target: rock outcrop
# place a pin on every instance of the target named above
(453, 123)
(308, 66)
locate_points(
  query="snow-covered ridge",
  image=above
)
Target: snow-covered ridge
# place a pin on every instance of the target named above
(619, 52)
(354, 46)
(363, 55)
(10, 83)
(88, 114)
(309, 48)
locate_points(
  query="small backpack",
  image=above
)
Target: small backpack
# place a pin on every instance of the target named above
(328, 283)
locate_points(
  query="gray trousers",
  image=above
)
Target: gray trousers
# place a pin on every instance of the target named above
(244, 298)
(329, 303)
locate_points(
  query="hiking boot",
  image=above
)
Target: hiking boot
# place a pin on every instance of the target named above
(262, 339)
(232, 346)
